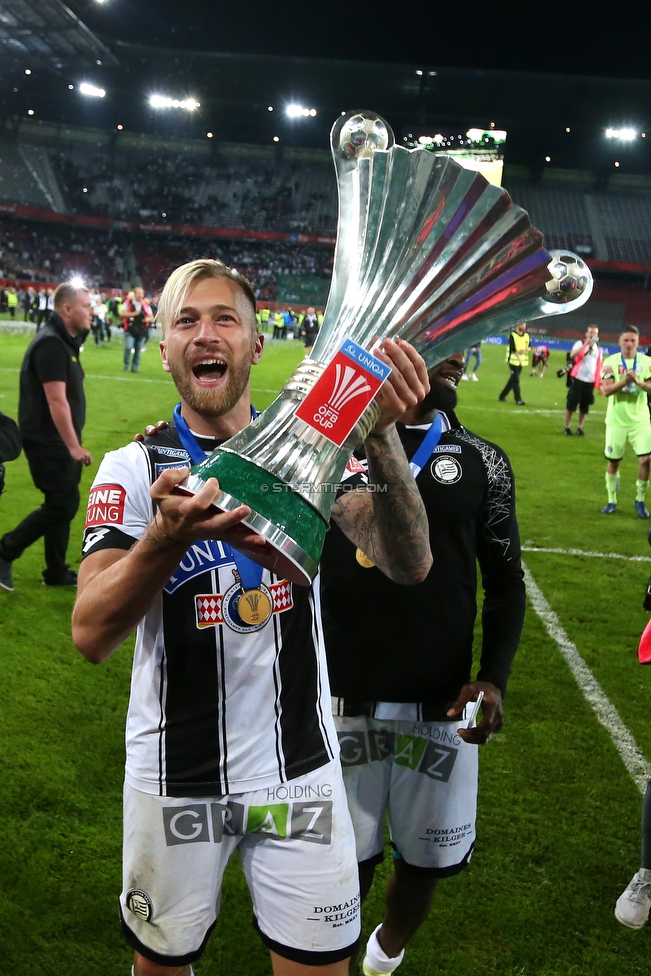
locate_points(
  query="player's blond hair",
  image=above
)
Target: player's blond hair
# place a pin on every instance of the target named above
(182, 279)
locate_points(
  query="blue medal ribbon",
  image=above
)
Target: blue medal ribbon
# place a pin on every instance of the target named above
(426, 449)
(630, 387)
(249, 571)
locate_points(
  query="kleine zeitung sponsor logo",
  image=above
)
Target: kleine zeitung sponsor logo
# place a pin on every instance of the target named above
(106, 505)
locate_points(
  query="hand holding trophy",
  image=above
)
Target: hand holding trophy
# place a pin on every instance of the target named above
(427, 251)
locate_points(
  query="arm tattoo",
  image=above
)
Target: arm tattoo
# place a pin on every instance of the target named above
(388, 522)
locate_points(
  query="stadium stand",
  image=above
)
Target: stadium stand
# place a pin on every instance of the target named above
(125, 208)
(17, 182)
(32, 251)
(560, 214)
(229, 190)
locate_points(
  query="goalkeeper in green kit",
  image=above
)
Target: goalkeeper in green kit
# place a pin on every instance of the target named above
(626, 380)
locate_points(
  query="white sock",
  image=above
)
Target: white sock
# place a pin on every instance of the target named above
(133, 971)
(377, 958)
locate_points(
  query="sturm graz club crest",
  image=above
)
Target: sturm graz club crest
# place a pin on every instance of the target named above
(139, 902)
(446, 470)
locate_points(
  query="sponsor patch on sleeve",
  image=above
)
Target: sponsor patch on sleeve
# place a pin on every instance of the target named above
(355, 466)
(105, 505)
(355, 470)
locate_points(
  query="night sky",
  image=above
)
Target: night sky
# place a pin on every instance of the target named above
(588, 37)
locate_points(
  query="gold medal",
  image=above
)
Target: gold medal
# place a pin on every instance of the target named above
(363, 559)
(254, 607)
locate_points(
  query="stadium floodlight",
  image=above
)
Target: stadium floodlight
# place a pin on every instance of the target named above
(87, 89)
(77, 281)
(28, 71)
(298, 111)
(625, 134)
(164, 101)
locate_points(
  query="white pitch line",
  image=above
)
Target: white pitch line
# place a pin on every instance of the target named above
(582, 552)
(545, 412)
(637, 766)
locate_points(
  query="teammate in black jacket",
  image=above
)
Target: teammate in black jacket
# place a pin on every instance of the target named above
(400, 661)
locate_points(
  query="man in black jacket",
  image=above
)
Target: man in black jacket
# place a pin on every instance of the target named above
(51, 415)
(10, 445)
(400, 661)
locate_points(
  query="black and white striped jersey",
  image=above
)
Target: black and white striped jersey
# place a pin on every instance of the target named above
(217, 705)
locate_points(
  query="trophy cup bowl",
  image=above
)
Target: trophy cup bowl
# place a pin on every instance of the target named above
(426, 251)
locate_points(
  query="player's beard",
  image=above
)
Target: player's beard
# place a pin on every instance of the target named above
(212, 402)
(440, 397)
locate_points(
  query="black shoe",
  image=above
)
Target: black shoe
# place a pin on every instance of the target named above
(502, 399)
(70, 579)
(6, 582)
(580, 432)
(568, 432)
(521, 403)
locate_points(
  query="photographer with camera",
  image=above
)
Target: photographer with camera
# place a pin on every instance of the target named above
(584, 375)
(136, 315)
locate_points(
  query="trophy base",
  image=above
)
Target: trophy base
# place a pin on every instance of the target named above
(274, 506)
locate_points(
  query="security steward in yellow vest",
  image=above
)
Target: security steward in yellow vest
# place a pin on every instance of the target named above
(516, 357)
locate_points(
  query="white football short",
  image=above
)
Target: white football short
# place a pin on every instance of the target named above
(297, 850)
(424, 776)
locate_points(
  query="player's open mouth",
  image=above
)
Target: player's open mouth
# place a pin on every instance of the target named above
(452, 378)
(209, 372)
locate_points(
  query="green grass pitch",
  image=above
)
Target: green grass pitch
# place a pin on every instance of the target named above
(558, 832)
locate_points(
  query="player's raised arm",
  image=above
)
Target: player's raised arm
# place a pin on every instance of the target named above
(388, 521)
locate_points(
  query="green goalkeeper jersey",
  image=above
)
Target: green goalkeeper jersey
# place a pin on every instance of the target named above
(627, 407)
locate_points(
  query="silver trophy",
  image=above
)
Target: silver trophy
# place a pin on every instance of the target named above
(426, 251)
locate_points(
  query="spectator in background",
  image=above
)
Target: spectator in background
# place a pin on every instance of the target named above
(278, 323)
(264, 314)
(28, 304)
(99, 317)
(12, 302)
(136, 314)
(310, 329)
(52, 411)
(471, 371)
(43, 305)
(584, 376)
(540, 359)
(517, 357)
